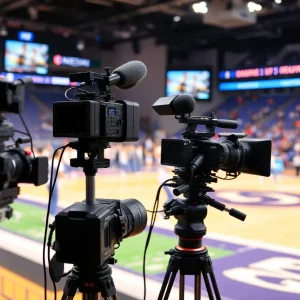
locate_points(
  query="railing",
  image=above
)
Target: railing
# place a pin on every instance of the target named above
(13, 290)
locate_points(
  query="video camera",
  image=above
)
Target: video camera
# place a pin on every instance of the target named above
(96, 115)
(198, 153)
(197, 159)
(16, 165)
(87, 232)
(100, 227)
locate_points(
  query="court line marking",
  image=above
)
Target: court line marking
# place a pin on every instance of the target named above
(213, 235)
(32, 250)
(163, 175)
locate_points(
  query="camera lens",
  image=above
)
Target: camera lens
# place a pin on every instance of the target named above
(231, 156)
(14, 166)
(251, 156)
(136, 216)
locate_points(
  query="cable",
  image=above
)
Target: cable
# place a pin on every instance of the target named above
(48, 211)
(22, 132)
(28, 132)
(228, 174)
(49, 260)
(66, 92)
(152, 222)
(152, 212)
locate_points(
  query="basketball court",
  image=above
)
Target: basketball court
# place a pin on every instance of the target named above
(258, 258)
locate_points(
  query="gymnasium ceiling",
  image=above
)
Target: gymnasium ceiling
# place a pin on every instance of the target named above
(116, 21)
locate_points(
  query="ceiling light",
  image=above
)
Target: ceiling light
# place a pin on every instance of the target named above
(277, 1)
(66, 34)
(258, 7)
(3, 30)
(200, 7)
(177, 19)
(33, 13)
(252, 6)
(80, 45)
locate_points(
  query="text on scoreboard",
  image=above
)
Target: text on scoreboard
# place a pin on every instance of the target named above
(275, 71)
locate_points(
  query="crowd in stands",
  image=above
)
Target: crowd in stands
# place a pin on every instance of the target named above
(275, 117)
(143, 155)
(271, 117)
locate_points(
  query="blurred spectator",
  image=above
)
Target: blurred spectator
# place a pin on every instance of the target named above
(156, 154)
(297, 147)
(234, 114)
(240, 100)
(139, 157)
(296, 163)
(298, 109)
(148, 144)
(280, 115)
(277, 165)
(124, 158)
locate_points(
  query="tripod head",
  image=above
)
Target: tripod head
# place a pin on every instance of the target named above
(95, 151)
(192, 211)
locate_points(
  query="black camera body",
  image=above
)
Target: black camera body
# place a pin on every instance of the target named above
(180, 152)
(97, 115)
(100, 226)
(13, 93)
(196, 151)
(116, 121)
(16, 165)
(231, 154)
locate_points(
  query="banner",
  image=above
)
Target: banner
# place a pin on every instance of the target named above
(59, 60)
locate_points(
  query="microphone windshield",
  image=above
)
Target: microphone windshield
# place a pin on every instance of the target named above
(183, 104)
(130, 74)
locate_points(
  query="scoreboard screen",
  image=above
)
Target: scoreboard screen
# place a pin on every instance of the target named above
(260, 78)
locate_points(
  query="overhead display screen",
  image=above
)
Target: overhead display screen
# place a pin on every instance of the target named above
(196, 83)
(276, 71)
(24, 57)
(260, 78)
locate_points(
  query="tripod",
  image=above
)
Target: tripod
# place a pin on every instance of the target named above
(190, 257)
(90, 282)
(89, 279)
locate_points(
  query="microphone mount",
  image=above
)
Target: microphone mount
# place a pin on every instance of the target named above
(210, 122)
(102, 81)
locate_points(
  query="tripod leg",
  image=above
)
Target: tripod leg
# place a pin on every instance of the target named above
(66, 297)
(198, 287)
(114, 297)
(215, 286)
(171, 282)
(90, 296)
(164, 285)
(181, 287)
(208, 287)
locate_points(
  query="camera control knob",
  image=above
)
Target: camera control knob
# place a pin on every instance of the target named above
(119, 122)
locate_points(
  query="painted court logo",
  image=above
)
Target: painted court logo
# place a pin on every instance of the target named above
(265, 198)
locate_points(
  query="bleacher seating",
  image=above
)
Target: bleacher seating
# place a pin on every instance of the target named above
(33, 115)
(291, 58)
(254, 106)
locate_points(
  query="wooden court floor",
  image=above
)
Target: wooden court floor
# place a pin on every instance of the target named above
(277, 224)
